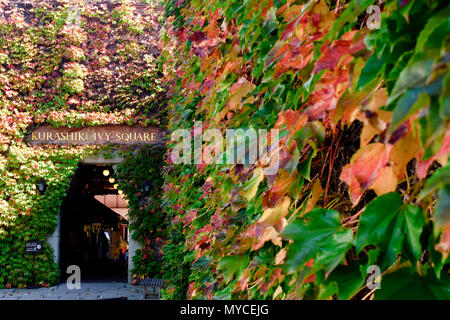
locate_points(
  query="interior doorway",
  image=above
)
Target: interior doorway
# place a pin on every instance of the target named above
(94, 226)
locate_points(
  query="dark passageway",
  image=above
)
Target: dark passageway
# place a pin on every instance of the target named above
(93, 236)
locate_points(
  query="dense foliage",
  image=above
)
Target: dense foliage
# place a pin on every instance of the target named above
(66, 63)
(364, 178)
(144, 208)
(364, 117)
(26, 215)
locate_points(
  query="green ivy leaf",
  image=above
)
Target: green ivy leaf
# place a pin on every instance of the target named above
(349, 15)
(348, 279)
(438, 180)
(405, 284)
(442, 209)
(322, 238)
(444, 98)
(432, 131)
(414, 74)
(233, 265)
(372, 69)
(428, 37)
(392, 226)
(407, 105)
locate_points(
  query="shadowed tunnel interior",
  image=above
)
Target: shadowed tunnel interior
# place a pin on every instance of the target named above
(93, 236)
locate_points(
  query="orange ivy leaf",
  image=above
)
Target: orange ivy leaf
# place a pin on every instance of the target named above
(364, 168)
(323, 99)
(293, 121)
(238, 91)
(271, 223)
(316, 192)
(272, 217)
(280, 257)
(280, 187)
(404, 151)
(385, 182)
(331, 55)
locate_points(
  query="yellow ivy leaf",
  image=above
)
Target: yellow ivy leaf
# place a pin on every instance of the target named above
(385, 182)
(238, 91)
(316, 192)
(280, 257)
(251, 186)
(273, 216)
(404, 151)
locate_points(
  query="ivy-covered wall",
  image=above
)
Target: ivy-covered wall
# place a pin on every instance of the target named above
(362, 102)
(363, 111)
(67, 63)
(147, 221)
(26, 215)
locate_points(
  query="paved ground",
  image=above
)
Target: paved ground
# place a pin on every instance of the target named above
(88, 291)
